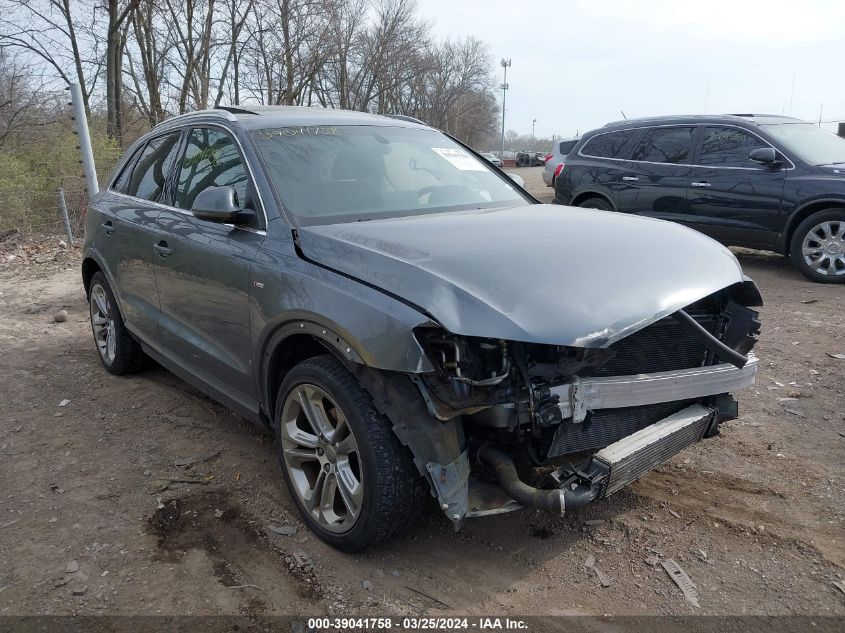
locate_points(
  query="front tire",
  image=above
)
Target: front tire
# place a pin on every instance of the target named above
(119, 352)
(352, 481)
(817, 248)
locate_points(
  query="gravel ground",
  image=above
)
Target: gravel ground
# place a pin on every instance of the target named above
(89, 524)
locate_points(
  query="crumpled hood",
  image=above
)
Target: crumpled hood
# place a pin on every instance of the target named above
(541, 273)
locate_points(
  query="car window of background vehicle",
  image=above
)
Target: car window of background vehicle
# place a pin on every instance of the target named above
(665, 145)
(211, 160)
(325, 175)
(728, 147)
(149, 175)
(812, 144)
(610, 145)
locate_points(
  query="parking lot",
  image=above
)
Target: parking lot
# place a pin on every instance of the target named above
(97, 517)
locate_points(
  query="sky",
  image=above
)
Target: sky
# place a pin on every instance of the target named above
(578, 64)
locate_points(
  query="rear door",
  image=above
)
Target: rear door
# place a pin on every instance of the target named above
(127, 232)
(654, 181)
(732, 198)
(203, 270)
(599, 166)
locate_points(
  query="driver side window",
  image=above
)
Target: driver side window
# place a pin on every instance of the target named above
(211, 159)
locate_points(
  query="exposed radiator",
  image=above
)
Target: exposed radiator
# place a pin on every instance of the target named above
(606, 426)
(661, 346)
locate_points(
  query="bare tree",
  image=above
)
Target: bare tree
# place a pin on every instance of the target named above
(50, 30)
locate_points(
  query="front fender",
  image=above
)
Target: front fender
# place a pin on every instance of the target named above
(360, 324)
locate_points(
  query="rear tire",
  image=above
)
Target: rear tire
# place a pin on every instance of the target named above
(119, 352)
(817, 247)
(596, 203)
(351, 479)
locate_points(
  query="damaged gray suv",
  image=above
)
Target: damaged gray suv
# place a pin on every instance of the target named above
(407, 320)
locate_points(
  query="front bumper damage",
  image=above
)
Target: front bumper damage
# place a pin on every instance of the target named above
(614, 392)
(611, 468)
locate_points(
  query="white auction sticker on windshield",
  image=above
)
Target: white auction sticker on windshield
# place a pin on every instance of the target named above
(459, 158)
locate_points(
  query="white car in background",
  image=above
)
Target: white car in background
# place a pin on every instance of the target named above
(555, 159)
(490, 156)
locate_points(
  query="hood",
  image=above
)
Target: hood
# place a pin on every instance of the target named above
(540, 273)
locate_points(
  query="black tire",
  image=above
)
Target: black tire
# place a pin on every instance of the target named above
(596, 203)
(393, 490)
(128, 356)
(832, 271)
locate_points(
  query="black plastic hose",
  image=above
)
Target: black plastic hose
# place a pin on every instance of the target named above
(711, 342)
(556, 500)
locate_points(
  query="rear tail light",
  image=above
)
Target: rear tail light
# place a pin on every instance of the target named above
(559, 169)
(547, 158)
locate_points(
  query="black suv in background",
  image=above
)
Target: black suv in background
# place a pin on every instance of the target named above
(760, 181)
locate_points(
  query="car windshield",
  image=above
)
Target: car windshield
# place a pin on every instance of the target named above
(812, 144)
(335, 174)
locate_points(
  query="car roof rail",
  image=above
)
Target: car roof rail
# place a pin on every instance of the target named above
(199, 113)
(237, 110)
(404, 117)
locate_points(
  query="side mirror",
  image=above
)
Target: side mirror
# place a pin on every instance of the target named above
(220, 204)
(517, 179)
(764, 156)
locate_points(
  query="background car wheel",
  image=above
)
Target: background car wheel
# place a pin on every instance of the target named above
(818, 246)
(596, 203)
(353, 482)
(119, 352)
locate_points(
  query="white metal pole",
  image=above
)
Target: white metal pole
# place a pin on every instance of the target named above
(505, 64)
(84, 139)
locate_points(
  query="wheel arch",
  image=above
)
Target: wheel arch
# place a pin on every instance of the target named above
(805, 211)
(295, 341)
(586, 195)
(90, 267)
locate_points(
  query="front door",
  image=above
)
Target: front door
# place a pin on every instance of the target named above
(203, 271)
(732, 198)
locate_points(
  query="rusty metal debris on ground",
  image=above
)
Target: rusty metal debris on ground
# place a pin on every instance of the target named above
(684, 582)
(590, 564)
(160, 484)
(196, 459)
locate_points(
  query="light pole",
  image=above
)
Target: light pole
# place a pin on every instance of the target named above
(533, 138)
(505, 64)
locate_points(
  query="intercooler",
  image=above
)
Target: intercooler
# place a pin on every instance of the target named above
(665, 345)
(635, 455)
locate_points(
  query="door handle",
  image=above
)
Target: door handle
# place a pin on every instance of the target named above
(630, 178)
(162, 249)
(108, 227)
(703, 184)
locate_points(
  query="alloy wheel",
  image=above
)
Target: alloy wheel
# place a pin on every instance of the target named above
(322, 459)
(102, 323)
(823, 248)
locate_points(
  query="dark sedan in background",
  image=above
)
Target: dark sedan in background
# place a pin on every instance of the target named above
(760, 181)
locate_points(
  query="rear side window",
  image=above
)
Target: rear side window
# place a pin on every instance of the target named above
(149, 175)
(211, 160)
(665, 145)
(121, 183)
(610, 144)
(728, 147)
(566, 147)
